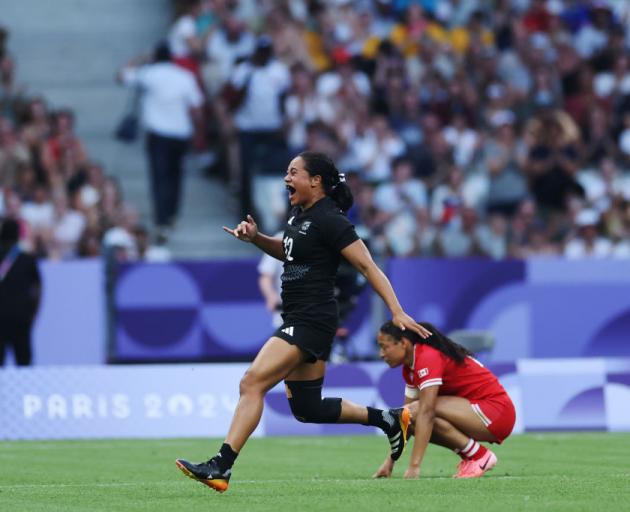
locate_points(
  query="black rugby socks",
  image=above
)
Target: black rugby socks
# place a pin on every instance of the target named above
(226, 457)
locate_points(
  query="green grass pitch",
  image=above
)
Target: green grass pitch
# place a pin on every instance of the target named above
(556, 472)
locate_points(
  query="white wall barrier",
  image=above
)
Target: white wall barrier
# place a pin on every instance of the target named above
(198, 400)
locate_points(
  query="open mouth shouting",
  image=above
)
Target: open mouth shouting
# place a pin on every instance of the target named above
(291, 191)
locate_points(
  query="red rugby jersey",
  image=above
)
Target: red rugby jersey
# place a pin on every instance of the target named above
(470, 380)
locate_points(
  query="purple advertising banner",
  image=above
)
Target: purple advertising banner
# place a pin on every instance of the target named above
(202, 311)
(197, 311)
(534, 309)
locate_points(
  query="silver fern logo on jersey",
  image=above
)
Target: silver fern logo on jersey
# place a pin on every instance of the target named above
(304, 227)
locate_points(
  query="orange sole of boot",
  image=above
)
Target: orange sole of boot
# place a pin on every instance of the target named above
(405, 418)
(218, 485)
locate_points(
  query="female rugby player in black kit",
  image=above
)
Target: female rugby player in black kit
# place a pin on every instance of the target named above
(317, 234)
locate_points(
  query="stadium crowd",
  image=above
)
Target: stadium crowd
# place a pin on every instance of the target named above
(466, 127)
(497, 128)
(65, 203)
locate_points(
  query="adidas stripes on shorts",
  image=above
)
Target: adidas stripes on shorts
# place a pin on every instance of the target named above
(316, 343)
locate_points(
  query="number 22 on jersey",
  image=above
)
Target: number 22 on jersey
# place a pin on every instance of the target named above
(288, 247)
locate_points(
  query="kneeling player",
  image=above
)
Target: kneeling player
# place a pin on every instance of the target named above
(453, 399)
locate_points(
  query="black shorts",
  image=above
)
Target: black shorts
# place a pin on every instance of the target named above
(315, 343)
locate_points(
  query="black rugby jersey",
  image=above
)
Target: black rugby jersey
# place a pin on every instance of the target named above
(312, 242)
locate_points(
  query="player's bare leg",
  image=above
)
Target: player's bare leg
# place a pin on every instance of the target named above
(275, 360)
(393, 422)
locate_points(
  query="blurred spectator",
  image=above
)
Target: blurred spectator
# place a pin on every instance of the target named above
(36, 128)
(504, 157)
(461, 237)
(463, 141)
(552, 159)
(63, 153)
(20, 291)
(301, 108)
(270, 285)
(527, 234)
(492, 237)
(593, 35)
(259, 120)
(587, 242)
(287, 36)
(402, 205)
(618, 227)
(171, 115)
(183, 41)
(39, 213)
(153, 253)
(120, 240)
(376, 149)
(599, 142)
(111, 201)
(67, 228)
(14, 155)
(7, 66)
(448, 198)
(228, 45)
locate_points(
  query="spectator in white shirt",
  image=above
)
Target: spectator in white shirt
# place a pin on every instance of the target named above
(171, 111)
(401, 206)
(301, 108)
(403, 194)
(587, 243)
(262, 81)
(39, 212)
(463, 140)
(227, 46)
(182, 36)
(376, 150)
(270, 285)
(68, 226)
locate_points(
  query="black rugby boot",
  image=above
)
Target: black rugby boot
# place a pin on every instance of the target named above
(397, 434)
(207, 473)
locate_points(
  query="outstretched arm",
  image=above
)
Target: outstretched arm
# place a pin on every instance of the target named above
(247, 231)
(123, 76)
(424, 417)
(359, 256)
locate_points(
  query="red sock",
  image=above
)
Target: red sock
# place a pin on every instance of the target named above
(472, 451)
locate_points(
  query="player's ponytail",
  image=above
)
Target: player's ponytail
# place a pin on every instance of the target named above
(437, 340)
(334, 182)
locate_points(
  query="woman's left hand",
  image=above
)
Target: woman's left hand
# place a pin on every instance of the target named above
(385, 471)
(412, 472)
(404, 322)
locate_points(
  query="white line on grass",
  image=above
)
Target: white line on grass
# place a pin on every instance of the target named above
(276, 481)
